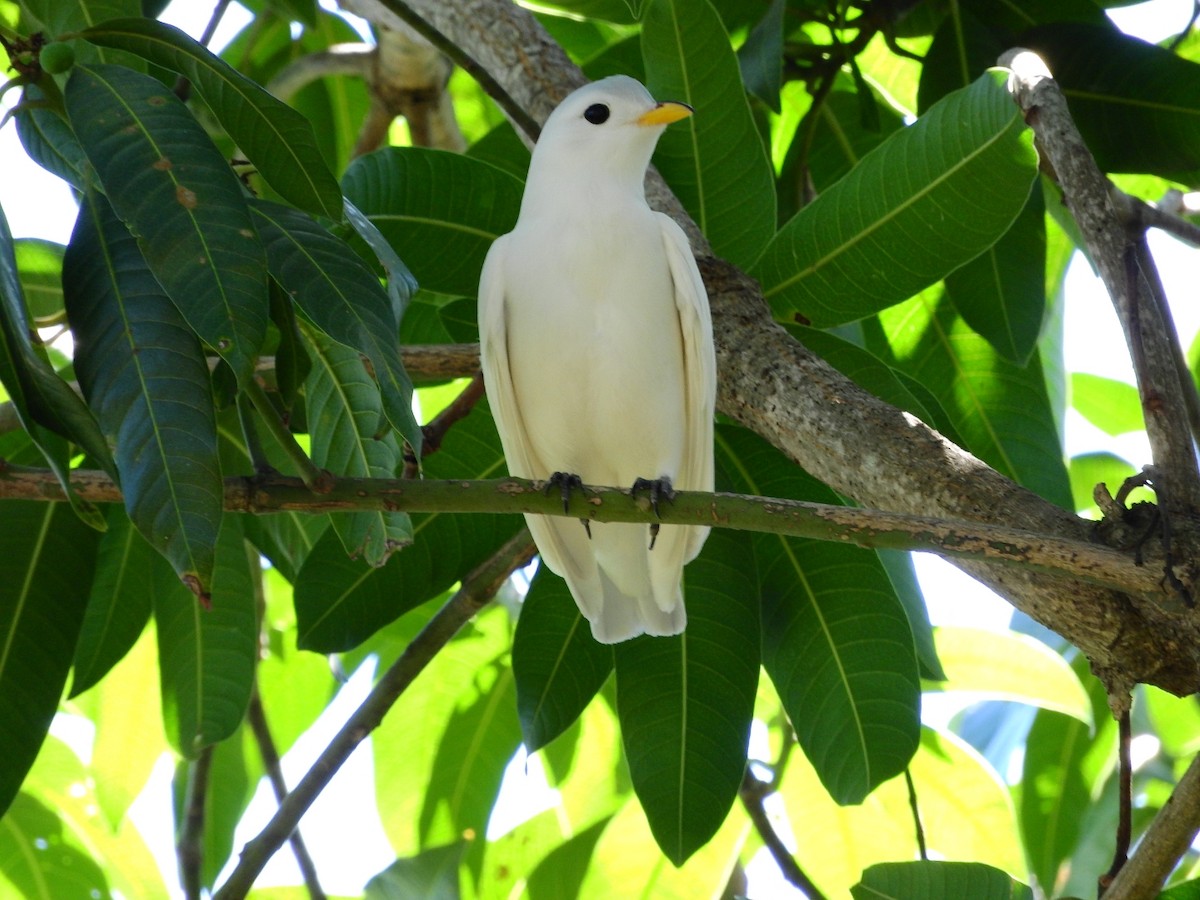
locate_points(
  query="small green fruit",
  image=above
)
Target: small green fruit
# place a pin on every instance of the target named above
(56, 58)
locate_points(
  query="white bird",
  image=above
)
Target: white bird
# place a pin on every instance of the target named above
(597, 352)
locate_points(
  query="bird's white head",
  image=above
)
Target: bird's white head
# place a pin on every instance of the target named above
(604, 132)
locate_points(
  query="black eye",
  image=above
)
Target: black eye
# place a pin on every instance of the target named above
(597, 113)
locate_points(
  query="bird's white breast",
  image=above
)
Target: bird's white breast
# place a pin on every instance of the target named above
(594, 343)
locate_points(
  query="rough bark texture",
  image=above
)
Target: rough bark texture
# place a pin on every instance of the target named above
(855, 443)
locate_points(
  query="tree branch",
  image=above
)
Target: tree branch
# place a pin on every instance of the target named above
(1164, 843)
(189, 845)
(752, 793)
(849, 439)
(272, 493)
(256, 718)
(477, 590)
(1128, 275)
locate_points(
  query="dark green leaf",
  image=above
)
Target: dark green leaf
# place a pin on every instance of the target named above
(1005, 14)
(715, 160)
(928, 880)
(903, 576)
(59, 18)
(340, 602)
(1118, 86)
(338, 293)
(557, 665)
(49, 140)
(1001, 411)
(836, 641)
(560, 873)
(145, 374)
(686, 702)
(401, 284)
(343, 419)
(761, 56)
(42, 401)
(120, 602)
(42, 602)
(277, 139)
(839, 140)
(439, 210)
(904, 201)
(182, 202)
(206, 656)
(501, 147)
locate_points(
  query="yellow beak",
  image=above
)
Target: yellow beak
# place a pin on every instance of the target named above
(665, 113)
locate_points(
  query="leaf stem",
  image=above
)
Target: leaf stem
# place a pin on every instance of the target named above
(314, 478)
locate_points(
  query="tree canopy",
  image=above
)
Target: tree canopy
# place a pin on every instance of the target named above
(245, 453)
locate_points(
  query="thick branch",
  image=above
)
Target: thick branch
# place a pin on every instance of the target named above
(1128, 275)
(1078, 558)
(477, 590)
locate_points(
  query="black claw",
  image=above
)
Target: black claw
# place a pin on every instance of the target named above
(657, 488)
(565, 482)
(654, 526)
(587, 526)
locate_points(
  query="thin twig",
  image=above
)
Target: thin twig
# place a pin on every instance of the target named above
(1075, 558)
(1125, 802)
(752, 793)
(477, 590)
(433, 433)
(916, 813)
(256, 718)
(1164, 842)
(189, 845)
(183, 87)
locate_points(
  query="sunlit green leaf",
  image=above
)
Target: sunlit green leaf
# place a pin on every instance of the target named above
(904, 202)
(933, 880)
(1112, 406)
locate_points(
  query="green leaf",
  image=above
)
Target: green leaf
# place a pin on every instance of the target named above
(38, 861)
(341, 296)
(1063, 770)
(1117, 86)
(120, 602)
(40, 266)
(1001, 411)
(557, 665)
(1011, 666)
(1112, 406)
(401, 284)
(343, 411)
(904, 201)
(59, 19)
(926, 880)
(561, 872)
(439, 210)
(206, 656)
(966, 813)
(43, 402)
(432, 873)
(836, 641)
(625, 861)
(686, 702)
(340, 602)
(839, 140)
(715, 160)
(41, 610)
(441, 753)
(145, 374)
(181, 200)
(761, 56)
(59, 780)
(129, 736)
(277, 139)
(48, 139)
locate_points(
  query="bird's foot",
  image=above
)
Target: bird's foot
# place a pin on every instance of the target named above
(657, 489)
(567, 482)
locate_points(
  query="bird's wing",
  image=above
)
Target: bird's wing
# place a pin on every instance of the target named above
(700, 368)
(562, 543)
